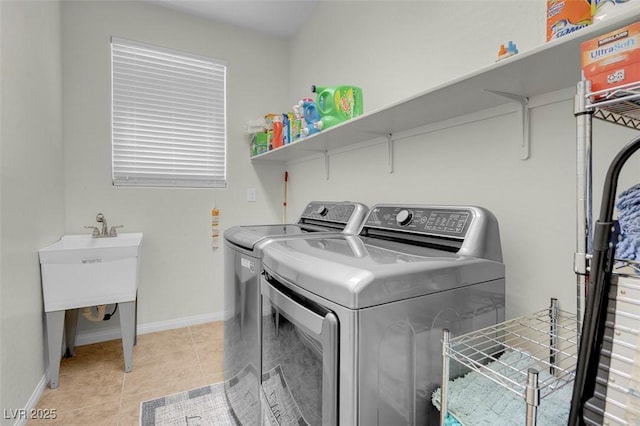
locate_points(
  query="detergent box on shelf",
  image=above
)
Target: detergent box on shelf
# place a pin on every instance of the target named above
(612, 59)
(259, 143)
(566, 16)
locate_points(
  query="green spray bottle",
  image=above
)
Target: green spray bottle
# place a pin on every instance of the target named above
(337, 103)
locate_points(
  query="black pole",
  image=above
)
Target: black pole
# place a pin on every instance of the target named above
(596, 303)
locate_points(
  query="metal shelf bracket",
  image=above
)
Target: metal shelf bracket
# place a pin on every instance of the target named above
(326, 164)
(390, 154)
(523, 103)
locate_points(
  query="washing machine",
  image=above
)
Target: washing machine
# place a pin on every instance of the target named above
(243, 247)
(352, 324)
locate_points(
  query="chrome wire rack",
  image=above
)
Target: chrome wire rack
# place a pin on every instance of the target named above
(546, 342)
(619, 105)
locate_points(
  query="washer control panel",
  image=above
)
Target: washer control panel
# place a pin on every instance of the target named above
(328, 212)
(448, 222)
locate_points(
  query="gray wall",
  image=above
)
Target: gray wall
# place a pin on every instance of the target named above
(55, 69)
(397, 49)
(55, 81)
(181, 274)
(31, 184)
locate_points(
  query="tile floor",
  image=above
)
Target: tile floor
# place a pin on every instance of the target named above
(94, 389)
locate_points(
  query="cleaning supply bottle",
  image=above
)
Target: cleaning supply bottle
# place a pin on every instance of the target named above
(297, 122)
(277, 132)
(312, 118)
(337, 103)
(286, 129)
(215, 227)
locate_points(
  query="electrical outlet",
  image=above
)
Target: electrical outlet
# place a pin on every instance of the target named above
(251, 195)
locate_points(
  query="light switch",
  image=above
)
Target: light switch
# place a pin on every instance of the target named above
(251, 195)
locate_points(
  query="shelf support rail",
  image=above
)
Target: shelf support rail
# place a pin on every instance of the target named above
(532, 396)
(326, 164)
(446, 336)
(523, 103)
(584, 194)
(553, 335)
(390, 154)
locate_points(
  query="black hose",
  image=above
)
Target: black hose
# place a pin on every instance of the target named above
(107, 317)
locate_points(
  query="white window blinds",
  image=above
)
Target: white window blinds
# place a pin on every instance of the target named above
(168, 117)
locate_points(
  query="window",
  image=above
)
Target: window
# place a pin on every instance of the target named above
(168, 117)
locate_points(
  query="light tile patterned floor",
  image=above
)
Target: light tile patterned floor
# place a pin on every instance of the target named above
(94, 389)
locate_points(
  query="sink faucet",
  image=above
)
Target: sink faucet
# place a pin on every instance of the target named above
(98, 233)
(101, 219)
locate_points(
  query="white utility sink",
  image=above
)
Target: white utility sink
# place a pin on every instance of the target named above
(79, 270)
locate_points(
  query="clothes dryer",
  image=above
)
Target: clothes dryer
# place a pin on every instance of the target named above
(352, 324)
(243, 247)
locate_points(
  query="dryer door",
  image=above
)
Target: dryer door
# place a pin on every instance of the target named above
(299, 358)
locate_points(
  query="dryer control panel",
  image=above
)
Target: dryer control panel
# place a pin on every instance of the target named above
(341, 216)
(329, 212)
(467, 230)
(447, 222)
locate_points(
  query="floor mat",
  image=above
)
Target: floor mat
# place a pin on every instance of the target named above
(228, 403)
(279, 406)
(203, 406)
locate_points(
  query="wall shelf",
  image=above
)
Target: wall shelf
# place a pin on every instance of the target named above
(547, 68)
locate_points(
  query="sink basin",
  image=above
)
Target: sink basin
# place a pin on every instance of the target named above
(79, 270)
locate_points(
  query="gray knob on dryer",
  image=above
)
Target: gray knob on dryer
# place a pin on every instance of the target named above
(404, 217)
(322, 210)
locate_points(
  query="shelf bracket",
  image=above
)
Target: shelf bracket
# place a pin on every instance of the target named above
(326, 164)
(390, 154)
(523, 103)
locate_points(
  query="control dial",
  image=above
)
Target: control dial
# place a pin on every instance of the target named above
(322, 211)
(404, 217)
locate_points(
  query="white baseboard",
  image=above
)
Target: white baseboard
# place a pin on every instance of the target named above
(33, 401)
(88, 338)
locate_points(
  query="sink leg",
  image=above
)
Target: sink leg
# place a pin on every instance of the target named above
(55, 325)
(70, 327)
(243, 303)
(135, 325)
(127, 328)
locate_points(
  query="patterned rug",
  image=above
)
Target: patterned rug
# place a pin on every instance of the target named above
(229, 403)
(203, 406)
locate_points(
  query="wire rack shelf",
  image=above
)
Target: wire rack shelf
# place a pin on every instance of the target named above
(619, 105)
(534, 338)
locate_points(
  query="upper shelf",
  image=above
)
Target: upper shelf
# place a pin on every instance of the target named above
(547, 68)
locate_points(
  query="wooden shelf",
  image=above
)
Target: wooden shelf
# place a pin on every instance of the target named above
(547, 68)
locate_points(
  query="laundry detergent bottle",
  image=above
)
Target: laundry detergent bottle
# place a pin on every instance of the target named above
(312, 118)
(337, 103)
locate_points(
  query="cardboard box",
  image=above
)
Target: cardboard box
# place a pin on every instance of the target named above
(259, 143)
(612, 59)
(567, 16)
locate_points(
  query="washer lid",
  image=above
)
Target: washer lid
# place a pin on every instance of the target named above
(359, 272)
(248, 236)
(318, 216)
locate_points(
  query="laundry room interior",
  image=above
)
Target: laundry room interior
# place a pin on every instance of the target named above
(515, 158)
